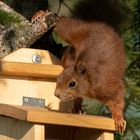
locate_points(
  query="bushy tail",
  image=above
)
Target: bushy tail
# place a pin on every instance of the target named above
(111, 12)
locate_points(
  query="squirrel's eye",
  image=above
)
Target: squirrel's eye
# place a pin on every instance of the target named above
(72, 84)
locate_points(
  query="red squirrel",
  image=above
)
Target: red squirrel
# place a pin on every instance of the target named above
(94, 65)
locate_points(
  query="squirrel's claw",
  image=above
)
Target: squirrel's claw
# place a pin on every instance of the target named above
(120, 125)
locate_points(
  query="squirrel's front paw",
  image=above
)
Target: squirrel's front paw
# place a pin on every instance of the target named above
(120, 125)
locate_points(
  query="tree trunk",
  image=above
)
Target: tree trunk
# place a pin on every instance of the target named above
(20, 32)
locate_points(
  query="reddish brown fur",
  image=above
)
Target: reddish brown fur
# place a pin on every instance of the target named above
(95, 62)
(38, 15)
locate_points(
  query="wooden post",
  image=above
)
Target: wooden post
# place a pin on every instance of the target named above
(107, 136)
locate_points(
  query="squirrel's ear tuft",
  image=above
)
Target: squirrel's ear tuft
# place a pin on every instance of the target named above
(81, 68)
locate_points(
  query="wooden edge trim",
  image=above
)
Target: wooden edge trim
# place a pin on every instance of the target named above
(14, 112)
(43, 116)
(30, 69)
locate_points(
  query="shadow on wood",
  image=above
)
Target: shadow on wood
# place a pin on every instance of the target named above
(15, 129)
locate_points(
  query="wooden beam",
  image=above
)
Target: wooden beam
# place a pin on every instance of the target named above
(30, 69)
(43, 116)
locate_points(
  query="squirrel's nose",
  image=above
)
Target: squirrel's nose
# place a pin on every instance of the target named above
(57, 95)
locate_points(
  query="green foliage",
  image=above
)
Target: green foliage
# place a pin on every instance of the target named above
(7, 18)
(132, 44)
(59, 40)
(7, 1)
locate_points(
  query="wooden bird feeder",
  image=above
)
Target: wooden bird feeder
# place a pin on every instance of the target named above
(27, 84)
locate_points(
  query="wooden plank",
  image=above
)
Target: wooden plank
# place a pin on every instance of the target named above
(13, 88)
(30, 69)
(26, 54)
(37, 115)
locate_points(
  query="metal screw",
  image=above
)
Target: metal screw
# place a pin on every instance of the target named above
(36, 58)
(26, 99)
(41, 101)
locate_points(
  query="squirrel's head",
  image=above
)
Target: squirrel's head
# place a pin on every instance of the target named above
(72, 83)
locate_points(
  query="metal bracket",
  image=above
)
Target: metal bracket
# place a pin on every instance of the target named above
(35, 102)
